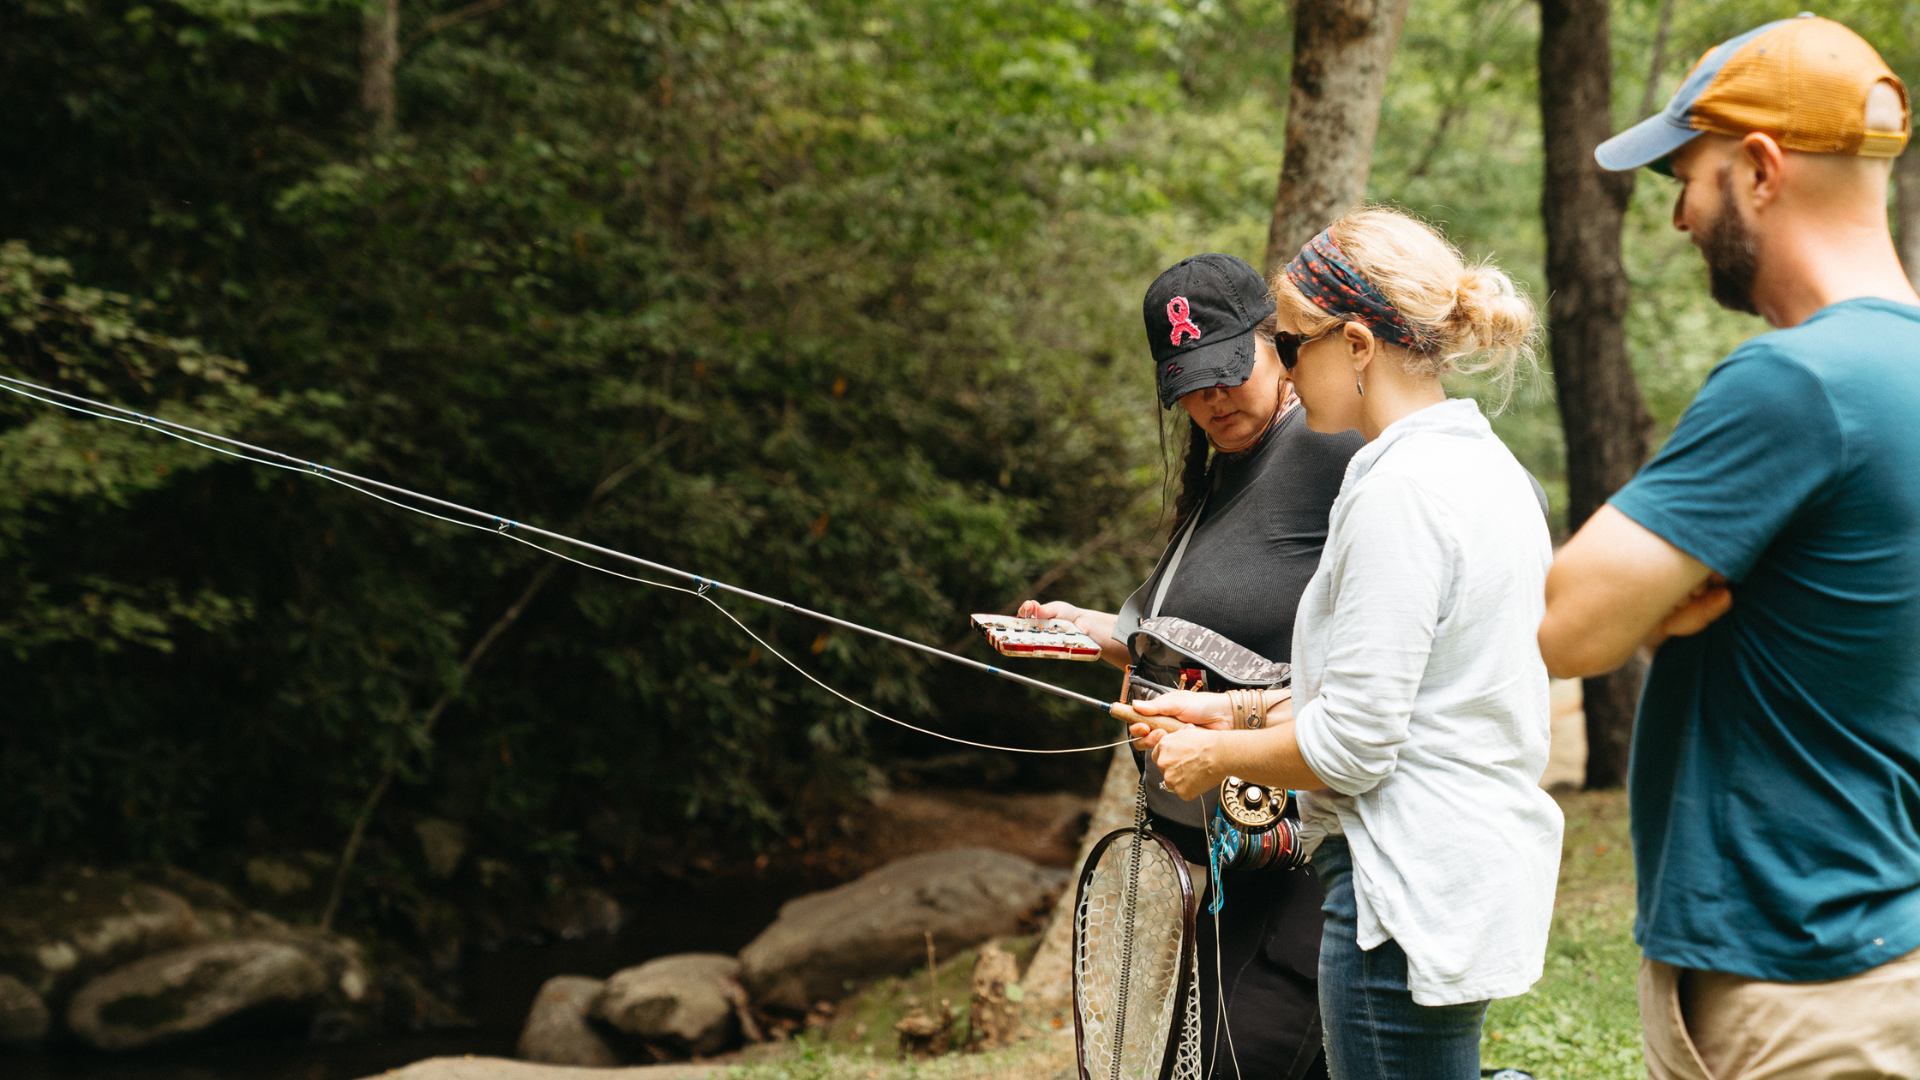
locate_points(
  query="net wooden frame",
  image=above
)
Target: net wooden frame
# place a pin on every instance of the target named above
(1143, 955)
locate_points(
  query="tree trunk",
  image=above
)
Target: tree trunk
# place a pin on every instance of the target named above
(1341, 49)
(379, 54)
(1906, 209)
(1650, 97)
(1606, 422)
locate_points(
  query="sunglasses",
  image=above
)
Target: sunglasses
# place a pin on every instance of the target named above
(1288, 345)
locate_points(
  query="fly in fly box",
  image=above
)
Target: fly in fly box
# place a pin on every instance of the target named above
(1047, 639)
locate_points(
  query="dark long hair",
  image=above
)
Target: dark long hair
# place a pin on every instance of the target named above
(1193, 473)
(1196, 461)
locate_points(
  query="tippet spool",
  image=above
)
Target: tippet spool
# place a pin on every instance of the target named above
(1276, 847)
(1251, 806)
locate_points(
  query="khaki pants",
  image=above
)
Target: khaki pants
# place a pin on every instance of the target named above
(1708, 1025)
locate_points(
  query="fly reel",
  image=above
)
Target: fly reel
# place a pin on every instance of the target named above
(1249, 831)
(1251, 807)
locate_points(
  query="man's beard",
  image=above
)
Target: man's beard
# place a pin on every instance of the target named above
(1733, 259)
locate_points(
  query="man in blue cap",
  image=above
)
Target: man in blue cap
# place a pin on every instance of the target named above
(1771, 554)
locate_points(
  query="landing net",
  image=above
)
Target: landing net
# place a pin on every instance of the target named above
(1136, 1001)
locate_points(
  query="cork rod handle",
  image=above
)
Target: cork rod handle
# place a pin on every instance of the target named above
(1123, 711)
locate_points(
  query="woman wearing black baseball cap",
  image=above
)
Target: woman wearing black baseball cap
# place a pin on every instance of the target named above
(1250, 517)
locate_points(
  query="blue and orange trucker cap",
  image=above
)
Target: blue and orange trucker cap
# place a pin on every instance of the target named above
(1803, 80)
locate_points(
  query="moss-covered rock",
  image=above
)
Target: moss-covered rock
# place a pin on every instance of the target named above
(80, 922)
(191, 989)
(82, 932)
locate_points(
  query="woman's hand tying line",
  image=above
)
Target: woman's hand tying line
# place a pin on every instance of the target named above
(1185, 756)
(1198, 757)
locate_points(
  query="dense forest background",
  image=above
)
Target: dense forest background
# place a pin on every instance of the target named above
(837, 300)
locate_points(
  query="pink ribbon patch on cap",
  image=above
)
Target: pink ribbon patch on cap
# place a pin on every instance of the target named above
(1179, 315)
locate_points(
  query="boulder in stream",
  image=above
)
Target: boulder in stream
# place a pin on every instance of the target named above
(23, 1016)
(191, 989)
(557, 1031)
(681, 1003)
(878, 924)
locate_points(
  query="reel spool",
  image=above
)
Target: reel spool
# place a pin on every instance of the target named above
(1251, 807)
(1249, 831)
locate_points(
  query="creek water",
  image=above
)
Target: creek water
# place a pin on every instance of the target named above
(496, 987)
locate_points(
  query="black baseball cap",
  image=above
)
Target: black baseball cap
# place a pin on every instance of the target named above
(1200, 317)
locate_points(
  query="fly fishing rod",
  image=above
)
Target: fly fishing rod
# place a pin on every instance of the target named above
(509, 528)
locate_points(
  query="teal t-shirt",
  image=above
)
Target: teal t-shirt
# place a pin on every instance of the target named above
(1775, 775)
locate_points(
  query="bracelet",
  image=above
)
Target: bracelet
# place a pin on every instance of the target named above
(1269, 699)
(1250, 707)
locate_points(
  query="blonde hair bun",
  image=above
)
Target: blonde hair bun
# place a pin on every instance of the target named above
(1472, 316)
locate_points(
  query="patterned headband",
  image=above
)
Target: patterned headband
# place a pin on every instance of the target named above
(1324, 276)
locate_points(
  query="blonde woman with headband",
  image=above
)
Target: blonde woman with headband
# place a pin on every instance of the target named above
(1418, 728)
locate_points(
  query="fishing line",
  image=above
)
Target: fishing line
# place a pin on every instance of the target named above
(808, 675)
(509, 528)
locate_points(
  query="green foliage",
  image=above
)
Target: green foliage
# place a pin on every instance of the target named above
(799, 296)
(92, 341)
(63, 483)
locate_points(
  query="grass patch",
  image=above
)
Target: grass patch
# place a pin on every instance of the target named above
(1581, 1020)
(858, 1041)
(863, 1023)
(859, 1029)
(1045, 1057)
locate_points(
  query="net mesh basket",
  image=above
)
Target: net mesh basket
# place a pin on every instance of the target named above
(1136, 1002)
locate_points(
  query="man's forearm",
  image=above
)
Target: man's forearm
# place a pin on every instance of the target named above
(1576, 644)
(1611, 587)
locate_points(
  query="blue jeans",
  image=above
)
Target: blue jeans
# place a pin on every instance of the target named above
(1374, 1030)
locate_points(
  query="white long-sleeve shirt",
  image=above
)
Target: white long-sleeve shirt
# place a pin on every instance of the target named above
(1421, 700)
